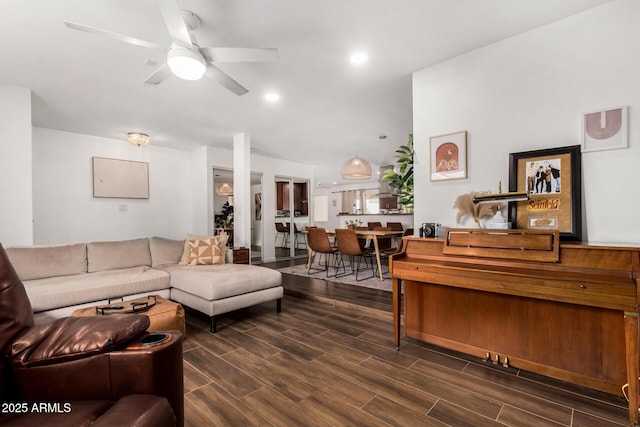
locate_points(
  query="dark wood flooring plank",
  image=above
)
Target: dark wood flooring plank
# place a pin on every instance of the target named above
(502, 393)
(327, 345)
(366, 323)
(458, 416)
(279, 410)
(443, 389)
(515, 417)
(551, 394)
(398, 415)
(275, 376)
(416, 400)
(194, 378)
(214, 406)
(301, 324)
(247, 342)
(337, 412)
(283, 343)
(427, 353)
(224, 374)
(211, 342)
(580, 419)
(342, 389)
(387, 353)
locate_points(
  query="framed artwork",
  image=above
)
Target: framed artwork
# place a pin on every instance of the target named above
(448, 156)
(258, 201)
(604, 129)
(552, 179)
(121, 179)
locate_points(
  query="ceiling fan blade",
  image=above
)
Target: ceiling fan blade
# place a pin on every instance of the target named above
(161, 74)
(215, 73)
(173, 20)
(121, 37)
(241, 54)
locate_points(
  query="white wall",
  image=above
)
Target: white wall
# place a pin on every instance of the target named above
(16, 206)
(529, 92)
(66, 211)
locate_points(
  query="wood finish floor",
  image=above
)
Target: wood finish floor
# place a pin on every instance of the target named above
(329, 360)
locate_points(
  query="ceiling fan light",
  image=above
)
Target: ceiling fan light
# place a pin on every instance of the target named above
(356, 168)
(186, 63)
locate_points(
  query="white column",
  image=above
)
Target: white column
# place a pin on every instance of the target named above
(16, 165)
(242, 190)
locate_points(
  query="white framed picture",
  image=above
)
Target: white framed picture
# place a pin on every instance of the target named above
(448, 156)
(604, 129)
(121, 179)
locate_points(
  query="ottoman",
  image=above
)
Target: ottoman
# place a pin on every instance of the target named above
(165, 315)
(219, 289)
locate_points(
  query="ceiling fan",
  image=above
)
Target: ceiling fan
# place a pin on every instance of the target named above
(185, 59)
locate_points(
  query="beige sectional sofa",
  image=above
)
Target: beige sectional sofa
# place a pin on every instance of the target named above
(62, 278)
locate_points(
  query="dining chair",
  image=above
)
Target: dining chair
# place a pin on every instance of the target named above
(364, 243)
(384, 243)
(297, 233)
(348, 245)
(281, 229)
(385, 254)
(318, 241)
(395, 226)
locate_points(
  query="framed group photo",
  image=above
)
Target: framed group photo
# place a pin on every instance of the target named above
(552, 180)
(448, 156)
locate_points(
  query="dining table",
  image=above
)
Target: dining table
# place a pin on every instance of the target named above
(372, 235)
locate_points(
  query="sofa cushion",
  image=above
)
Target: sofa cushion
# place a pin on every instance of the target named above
(65, 291)
(165, 251)
(38, 262)
(214, 282)
(114, 255)
(222, 244)
(204, 252)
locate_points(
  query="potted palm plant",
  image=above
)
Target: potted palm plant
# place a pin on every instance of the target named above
(401, 176)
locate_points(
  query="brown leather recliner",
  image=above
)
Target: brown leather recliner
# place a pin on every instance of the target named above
(78, 371)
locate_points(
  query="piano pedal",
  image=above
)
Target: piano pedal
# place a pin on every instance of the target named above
(487, 357)
(505, 364)
(497, 359)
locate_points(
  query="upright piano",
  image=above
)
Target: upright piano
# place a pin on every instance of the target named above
(564, 310)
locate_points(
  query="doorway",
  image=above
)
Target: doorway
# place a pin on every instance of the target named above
(291, 217)
(223, 208)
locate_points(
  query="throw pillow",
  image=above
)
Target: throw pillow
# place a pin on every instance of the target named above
(221, 241)
(204, 252)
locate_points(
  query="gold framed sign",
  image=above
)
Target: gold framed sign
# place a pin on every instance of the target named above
(552, 179)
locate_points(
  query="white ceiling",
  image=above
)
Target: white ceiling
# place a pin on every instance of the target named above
(329, 110)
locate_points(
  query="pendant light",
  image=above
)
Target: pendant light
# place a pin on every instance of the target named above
(224, 189)
(356, 168)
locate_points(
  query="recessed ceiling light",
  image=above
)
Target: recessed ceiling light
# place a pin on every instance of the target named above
(359, 58)
(272, 97)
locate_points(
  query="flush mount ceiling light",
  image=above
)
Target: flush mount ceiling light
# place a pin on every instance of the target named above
(272, 97)
(224, 189)
(186, 63)
(358, 58)
(137, 138)
(356, 168)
